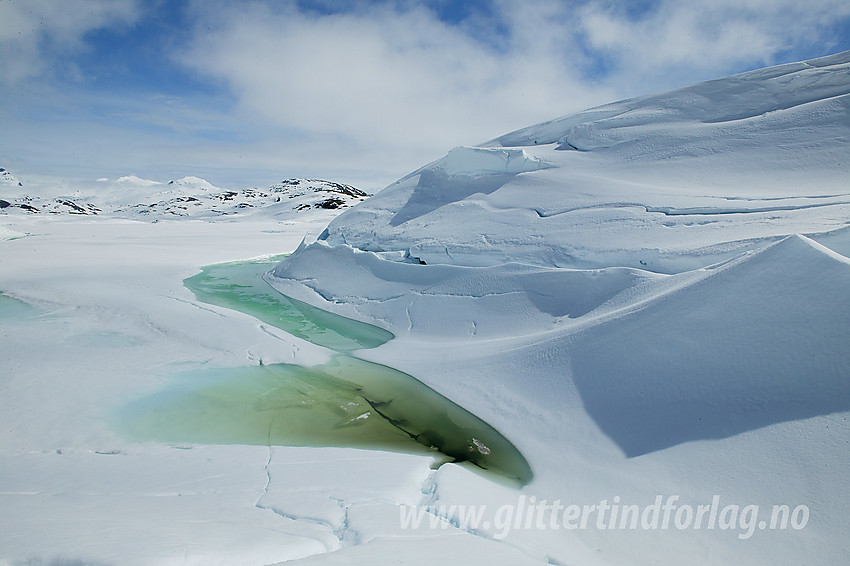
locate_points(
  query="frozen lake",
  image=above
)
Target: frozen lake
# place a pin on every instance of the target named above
(344, 402)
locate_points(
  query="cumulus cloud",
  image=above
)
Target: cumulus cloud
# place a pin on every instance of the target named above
(385, 75)
(674, 43)
(32, 29)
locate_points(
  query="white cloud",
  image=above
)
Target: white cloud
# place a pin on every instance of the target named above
(28, 26)
(394, 78)
(390, 77)
(372, 92)
(680, 42)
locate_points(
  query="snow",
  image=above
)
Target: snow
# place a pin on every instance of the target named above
(134, 197)
(7, 179)
(647, 400)
(669, 294)
(134, 181)
(665, 176)
(476, 161)
(195, 182)
(9, 234)
(647, 299)
(112, 321)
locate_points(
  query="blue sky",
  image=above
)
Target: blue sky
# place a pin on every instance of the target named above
(245, 93)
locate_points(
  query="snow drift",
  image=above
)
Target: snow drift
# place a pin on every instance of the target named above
(756, 342)
(687, 179)
(667, 182)
(643, 278)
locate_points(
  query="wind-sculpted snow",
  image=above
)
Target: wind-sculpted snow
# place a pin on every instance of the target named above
(480, 161)
(763, 340)
(447, 301)
(739, 97)
(643, 183)
(463, 172)
(654, 238)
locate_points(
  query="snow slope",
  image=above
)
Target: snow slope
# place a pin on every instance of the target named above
(649, 297)
(667, 182)
(7, 179)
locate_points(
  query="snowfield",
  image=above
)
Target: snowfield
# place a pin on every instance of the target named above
(649, 299)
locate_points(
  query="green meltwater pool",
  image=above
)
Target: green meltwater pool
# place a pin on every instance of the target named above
(345, 402)
(240, 286)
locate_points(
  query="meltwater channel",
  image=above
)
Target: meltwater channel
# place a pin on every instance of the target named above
(345, 402)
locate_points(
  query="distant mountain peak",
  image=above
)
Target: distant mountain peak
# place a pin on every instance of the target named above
(6, 178)
(317, 185)
(194, 182)
(190, 196)
(137, 181)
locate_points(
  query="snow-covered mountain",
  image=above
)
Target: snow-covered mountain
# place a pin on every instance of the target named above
(135, 197)
(663, 184)
(7, 179)
(652, 285)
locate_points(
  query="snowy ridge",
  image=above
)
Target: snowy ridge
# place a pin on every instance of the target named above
(133, 197)
(675, 168)
(739, 97)
(662, 284)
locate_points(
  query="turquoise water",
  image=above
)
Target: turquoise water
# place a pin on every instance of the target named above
(12, 309)
(240, 286)
(345, 402)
